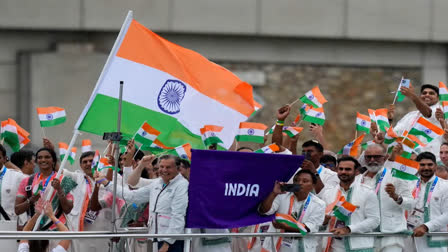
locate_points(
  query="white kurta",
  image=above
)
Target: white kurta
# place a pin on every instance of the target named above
(313, 218)
(406, 123)
(435, 217)
(9, 185)
(365, 218)
(393, 218)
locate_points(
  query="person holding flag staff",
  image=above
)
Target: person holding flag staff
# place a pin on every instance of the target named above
(306, 210)
(430, 213)
(33, 187)
(394, 195)
(340, 220)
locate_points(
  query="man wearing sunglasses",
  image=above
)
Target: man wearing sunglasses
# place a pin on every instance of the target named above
(394, 195)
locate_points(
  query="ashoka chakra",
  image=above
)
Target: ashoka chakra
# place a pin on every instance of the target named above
(170, 96)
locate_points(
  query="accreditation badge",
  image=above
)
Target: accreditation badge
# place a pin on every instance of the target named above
(415, 219)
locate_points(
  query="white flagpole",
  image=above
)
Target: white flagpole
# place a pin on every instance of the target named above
(398, 89)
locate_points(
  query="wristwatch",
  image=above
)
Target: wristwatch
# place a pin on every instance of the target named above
(399, 200)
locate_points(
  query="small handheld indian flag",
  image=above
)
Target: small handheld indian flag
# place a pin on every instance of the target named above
(404, 168)
(362, 123)
(304, 109)
(14, 135)
(156, 147)
(210, 134)
(445, 108)
(426, 129)
(415, 140)
(315, 115)
(443, 92)
(352, 147)
(403, 83)
(51, 116)
(72, 156)
(314, 98)
(104, 164)
(381, 119)
(407, 145)
(95, 161)
(291, 222)
(292, 131)
(268, 149)
(146, 134)
(251, 132)
(63, 149)
(183, 151)
(86, 145)
(343, 209)
(390, 136)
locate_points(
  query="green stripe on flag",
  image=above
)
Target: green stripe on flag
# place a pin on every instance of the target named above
(142, 140)
(339, 215)
(314, 120)
(383, 125)
(52, 123)
(102, 117)
(361, 128)
(305, 99)
(417, 132)
(253, 139)
(400, 96)
(443, 97)
(212, 140)
(403, 175)
(12, 140)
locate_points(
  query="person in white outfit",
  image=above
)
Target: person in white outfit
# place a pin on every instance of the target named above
(430, 213)
(394, 196)
(303, 205)
(168, 200)
(364, 219)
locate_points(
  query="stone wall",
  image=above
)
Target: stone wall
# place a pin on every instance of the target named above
(347, 89)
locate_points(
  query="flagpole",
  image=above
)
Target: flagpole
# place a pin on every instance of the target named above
(114, 199)
(43, 132)
(294, 102)
(58, 175)
(398, 89)
(135, 154)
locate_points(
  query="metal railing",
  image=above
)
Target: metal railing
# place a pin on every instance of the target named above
(39, 235)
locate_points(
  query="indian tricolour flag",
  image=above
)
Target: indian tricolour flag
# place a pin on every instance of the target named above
(171, 87)
(86, 145)
(268, 149)
(72, 156)
(407, 145)
(352, 147)
(404, 168)
(443, 92)
(292, 131)
(291, 222)
(63, 150)
(343, 209)
(304, 109)
(51, 116)
(315, 115)
(362, 123)
(390, 136)
(296, 120)
(251, 132)
(104, 164)
(146, 134)
(426, 129)
(156, 147)
(14, 135)
(314, 98)
(183, 151)
(445, 108)
(403, 83)
(210, 134)
(95, 161)
(381, 119)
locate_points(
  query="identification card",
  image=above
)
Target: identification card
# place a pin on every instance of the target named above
(415, 219)
(287, 242)
(91, 216)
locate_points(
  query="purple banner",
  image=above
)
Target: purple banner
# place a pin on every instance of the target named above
(226, 187)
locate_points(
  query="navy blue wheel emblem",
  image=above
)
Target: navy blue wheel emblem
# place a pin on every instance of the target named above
(49, 117)
(311, 97)
(427, 131)
(250, 132)
(350, 145)
(403, 168)
(363, 123)
(184, 156)
(144, 133)
(170, 96)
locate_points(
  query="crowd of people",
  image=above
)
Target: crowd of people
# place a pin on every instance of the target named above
(152, 192)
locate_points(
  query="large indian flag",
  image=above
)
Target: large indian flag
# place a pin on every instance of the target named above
(176, 90)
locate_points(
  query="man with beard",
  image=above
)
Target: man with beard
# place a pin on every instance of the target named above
(430, 213)
(394, 195)
(364, 219)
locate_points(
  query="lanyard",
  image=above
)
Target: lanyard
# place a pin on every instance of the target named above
(3, 172)
(44, 186)
(319, 170)
(428, 194)
(89, 187)
(307, 203)
(378, 184)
